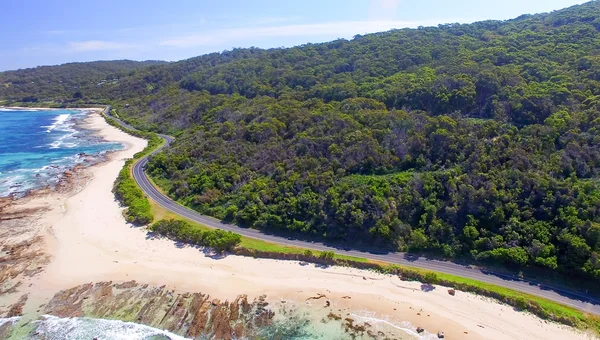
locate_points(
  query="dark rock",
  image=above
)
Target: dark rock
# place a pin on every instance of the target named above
(319, 296)
(452, 292)
(191, 315)
(420, 330)
(17, 308)
(440, 335)
(332, 316)
(128, 284)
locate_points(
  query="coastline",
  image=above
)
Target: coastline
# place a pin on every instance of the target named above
(63, 176)
(85, 238)
(22, 108)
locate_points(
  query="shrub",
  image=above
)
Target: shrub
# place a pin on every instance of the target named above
(183, 231)
(430, 277)
(131, 196)
(327, 255)
(221, 240)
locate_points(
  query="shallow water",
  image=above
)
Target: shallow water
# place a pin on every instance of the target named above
(37, 146)
(307, 321)
(293, 321)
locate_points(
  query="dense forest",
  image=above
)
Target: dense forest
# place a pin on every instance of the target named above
(68, 82)
(477, 140)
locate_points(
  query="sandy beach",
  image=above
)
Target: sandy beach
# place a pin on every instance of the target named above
(83, 238)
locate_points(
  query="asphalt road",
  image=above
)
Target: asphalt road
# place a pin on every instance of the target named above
(578, 300)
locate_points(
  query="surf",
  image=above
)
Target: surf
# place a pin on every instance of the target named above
(41, 145)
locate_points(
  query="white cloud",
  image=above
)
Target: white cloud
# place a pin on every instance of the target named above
(337, 29)
(98, 45)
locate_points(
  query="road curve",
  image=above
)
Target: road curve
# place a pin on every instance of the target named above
(574, 299)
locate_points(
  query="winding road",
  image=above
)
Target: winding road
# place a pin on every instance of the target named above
(566, 297)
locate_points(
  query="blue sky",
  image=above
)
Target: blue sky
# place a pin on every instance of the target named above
(47, 32)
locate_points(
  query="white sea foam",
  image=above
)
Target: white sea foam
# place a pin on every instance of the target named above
(12, 184)
(403, 326)
(63, 134)
(59, 122)
(11, 320)
(60, 141)
(19, 181)
(87, 328)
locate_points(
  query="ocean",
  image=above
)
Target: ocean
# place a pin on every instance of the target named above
(38, 146)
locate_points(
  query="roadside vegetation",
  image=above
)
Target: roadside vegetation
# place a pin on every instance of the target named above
(182, 231)
(138, 210)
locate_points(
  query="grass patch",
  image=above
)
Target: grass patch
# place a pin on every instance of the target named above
(547, 306)
(161, 213)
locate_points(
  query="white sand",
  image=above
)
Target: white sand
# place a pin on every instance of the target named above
(91, 242)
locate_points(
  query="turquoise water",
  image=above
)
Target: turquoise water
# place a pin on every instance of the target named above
(37, 146)
(302, 321)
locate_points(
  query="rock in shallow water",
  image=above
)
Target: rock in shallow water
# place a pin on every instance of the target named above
(191, 315)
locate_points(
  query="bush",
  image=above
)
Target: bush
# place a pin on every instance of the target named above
(430, 277)
(183, 231)
(327, 255)
(131, 196)
(221, 240)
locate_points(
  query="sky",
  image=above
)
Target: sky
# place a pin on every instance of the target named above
(49, 32)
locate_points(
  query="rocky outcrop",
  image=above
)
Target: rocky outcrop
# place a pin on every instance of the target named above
(17, 308)
(19, 259)
(191, 315)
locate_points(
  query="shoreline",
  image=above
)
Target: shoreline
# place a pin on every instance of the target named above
(87, 240)
(68, 177)
(25, 108)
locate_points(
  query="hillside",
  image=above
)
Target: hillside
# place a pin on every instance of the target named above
(477, 140)
(67, 81)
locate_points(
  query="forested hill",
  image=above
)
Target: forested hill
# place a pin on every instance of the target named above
(478, 140)
(65, 81)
